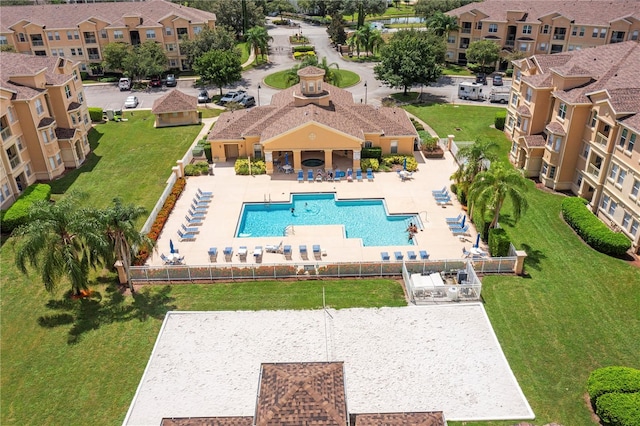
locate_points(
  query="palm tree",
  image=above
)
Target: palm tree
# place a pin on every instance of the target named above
(60, 240)
(492, 187)
(368, 37)
(354, 42)
(258, 38)
(475, 158)
(442, 24)
(375, 41)
(118, 227)
(330, 74)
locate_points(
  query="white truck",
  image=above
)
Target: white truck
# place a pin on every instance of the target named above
(469, 90)
(499, 94)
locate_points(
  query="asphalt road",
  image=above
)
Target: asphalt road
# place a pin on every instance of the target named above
(108, 96)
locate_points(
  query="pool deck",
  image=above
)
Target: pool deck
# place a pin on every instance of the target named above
(230, 191)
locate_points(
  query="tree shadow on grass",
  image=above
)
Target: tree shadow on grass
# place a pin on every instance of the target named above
(534, 257)
(61, 185)
(97, 310)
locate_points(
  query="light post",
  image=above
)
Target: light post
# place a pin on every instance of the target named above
(365, 92)
(259, 94)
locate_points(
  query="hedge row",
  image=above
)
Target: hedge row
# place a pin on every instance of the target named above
(615, 395)
(613, 379)
(258, 167)
(18, 213)
(303, 49)
(498, 242)
(370, 163)
(301, 55)
(591, 229)
(619, 409)
(374, 152)
(197, 169)
(498, 122)
(95, 113)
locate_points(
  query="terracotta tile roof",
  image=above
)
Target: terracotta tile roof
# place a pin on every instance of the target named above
(174, 101)
(342, 114)
(556, 128)
(311, 71)
(598, 12)
(46, 121)
(310, 393)
(524, 110)
(70, 15)
(533, 141)
(208, 421)
(434, 418)
(63, 133)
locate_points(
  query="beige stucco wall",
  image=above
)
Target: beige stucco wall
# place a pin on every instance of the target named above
(182, 118)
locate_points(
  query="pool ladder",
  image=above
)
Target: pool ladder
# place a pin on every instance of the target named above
(288, 230)
(267, 198)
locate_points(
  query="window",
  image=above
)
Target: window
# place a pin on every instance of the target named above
(27, 169)
(625, 220)
(614, 171)
(39, 53)
(86, 119)
(36, 39)
(581, 32)
(545, 29)
(89, 37)
(182, 32)
(45, 137)
(528, 94)
(552, 172)
(168, 31)
(623, 137)
(394, 147)
(632, 142)
(80, 98)
(69, 35)
(621, 176)
(39, 107)
(19, 143)
(6, 191)
(545, 168)
(257, 150)
(23, 39)
(57, 52)
(493, 28)
(103, 34)
(562, 110)
(595, 33)
(636, 188)
(574, 31)
(510, 122)
(118, 34)
(558, 143)
(197, 30)
(634, 227)
(585, 150)
(12, 117)
(603, 33)
(542, 47)
(478, 25)
(514, 99)
(173, 63)
(526, 29)
(52, 134)
(451, 39)
(75, 75)
(50, 35)
(368, 144)
(73, 119)
(56, 35)
(525, 124)
(594, 119)
(80, 52)
(170, 47)
(151, 34)
(73, 51)
(67, 91)
(612, 208)
(634, 35)
(514, 147)
(52, 162)
(518, 75)
(579, 180)
(524, 47)
(605, 202)
(76, 35)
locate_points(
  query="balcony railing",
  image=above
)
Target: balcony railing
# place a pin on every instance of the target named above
(558, 36)
(465, 30)
(601, 139)
(94, 56)
(510, 43)
(15, 161)
(90, 40)
(463, 46)
(37, 42)
(593, 170)
(6, 134)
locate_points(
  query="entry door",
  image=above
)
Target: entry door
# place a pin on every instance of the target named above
(231, 151)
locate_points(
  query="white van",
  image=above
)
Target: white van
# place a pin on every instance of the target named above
(469, 90)
(124, 84)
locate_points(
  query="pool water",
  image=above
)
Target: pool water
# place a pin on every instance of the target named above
(365, 218)
(313, 162)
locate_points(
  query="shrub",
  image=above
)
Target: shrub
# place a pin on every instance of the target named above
(417, 125)
(206, 146)
(18, 213)
(84, 75)
(108, 79)
(197, 169)
(389, 160)
(509, 72)
(96, 114)
(498, 242)
(501, 116)
(301, 55)
(257, 166)
(591, 229)
(371, 163)
(481, 224)
(372, 153)
(303, 49)
(619, 409)
(613, 379)
(462, 195)
(430, 144)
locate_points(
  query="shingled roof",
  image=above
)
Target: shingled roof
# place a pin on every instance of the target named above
(434, 418)
(18, 64)
(208, 421)
(307, 393)
(70, 15)
(597, 12)
(174, 101)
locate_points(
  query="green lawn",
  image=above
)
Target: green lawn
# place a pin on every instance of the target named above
(129, 159)
(454, 69)
(277, 79)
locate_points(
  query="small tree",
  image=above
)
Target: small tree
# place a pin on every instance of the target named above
(474, 158)
(483, 52)
(145, 60)
(259, 38)
(336, 30)
(222, 38)
(114, 55)
(220, 67)
(330, 74)
(442, 24)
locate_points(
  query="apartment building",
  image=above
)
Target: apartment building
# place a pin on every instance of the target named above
(44, 121)
(81, 31)
(574, 119)
(542, 26)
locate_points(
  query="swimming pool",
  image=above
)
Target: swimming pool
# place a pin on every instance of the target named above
(364, 218)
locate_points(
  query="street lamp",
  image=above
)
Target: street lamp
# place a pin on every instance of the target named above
(365, 92)
(259, 94)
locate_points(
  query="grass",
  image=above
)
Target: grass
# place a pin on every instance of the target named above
(134, 149)
(277, 80)
(454, 69)
(245, 51)
(210, 112)
(409, 97)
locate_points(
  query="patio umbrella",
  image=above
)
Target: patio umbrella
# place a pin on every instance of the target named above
(286, 158)
(405, 163)
(462, 223)
(171, 248)
(477, 241)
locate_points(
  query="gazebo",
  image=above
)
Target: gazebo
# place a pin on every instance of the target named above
(175, 109)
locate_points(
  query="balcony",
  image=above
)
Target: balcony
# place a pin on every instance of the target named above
(601, 139)
(558, 36)
(593, 170)
(463, 46)
(15, 162)
(94, 56)
(465, 30)
(6, 134)
(37, 43)
(510, 43)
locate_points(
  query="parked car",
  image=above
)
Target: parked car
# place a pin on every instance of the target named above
(248, 101)
(203, 97)
(124, 84)
(235, 96)
(481, 78)
(497, 80)
(155, 82)
(171, 81)
(131, 102)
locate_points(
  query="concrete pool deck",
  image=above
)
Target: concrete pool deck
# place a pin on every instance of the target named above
(230, 191)
(417, 358)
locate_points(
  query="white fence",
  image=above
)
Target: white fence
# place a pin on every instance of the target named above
(432, 286)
